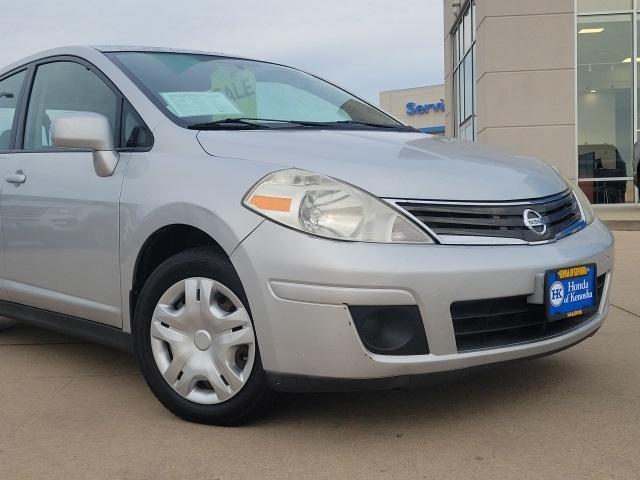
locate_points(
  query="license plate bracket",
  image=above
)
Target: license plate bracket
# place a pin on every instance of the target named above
(571, 291)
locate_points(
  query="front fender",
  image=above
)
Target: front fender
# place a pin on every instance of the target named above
(200, 191)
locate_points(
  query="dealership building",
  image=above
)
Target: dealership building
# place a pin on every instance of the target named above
(554, 79)
(421, 107)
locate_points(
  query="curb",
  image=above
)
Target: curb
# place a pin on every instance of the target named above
(623, 225)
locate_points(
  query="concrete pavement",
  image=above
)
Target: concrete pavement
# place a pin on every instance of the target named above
(69, 410)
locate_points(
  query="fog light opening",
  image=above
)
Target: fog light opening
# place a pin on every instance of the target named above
(391, 330)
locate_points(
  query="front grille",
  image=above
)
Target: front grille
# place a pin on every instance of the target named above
(498, 322)
(492, 219)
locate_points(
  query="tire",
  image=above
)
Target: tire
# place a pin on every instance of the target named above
(7, 323)
(201, 341)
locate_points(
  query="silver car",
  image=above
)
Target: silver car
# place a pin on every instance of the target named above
(246, 228)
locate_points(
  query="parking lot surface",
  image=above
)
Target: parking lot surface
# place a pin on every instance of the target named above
(69, 409)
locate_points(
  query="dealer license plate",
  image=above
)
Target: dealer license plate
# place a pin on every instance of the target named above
(571, 291)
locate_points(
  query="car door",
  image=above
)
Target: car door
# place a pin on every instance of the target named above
(11, 87)
(60, 232)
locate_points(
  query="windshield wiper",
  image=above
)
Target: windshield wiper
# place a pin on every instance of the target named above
(255, 123)
(245, 123)
(401, 128)
(229, 124)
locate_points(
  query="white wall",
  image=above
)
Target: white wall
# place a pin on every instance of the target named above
(395, 102)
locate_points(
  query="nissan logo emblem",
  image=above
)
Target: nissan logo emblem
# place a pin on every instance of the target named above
(534, 222)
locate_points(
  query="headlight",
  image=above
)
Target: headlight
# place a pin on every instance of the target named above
(585, 205)
(326, 207)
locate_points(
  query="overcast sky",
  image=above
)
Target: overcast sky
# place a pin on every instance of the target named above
(365, 46)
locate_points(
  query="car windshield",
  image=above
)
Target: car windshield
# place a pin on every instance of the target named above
(206, 91)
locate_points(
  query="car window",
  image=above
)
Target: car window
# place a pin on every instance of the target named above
(64, 87)
(9, 95)
(135, 133)
(286, 101)
(194, 88)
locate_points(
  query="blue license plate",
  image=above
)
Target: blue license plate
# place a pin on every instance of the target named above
(571, 291)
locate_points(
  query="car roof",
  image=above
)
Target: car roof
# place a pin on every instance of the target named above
(138, 48)
(89, 52)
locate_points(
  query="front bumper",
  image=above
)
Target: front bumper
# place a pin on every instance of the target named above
(299, 287)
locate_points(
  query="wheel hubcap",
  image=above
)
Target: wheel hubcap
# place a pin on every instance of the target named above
(202, 340)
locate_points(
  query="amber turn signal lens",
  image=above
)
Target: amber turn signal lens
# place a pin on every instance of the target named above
(277, 204)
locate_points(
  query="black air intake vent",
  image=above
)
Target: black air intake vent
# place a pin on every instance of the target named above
(498, 322)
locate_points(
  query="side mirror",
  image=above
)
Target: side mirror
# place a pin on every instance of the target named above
(90, 131)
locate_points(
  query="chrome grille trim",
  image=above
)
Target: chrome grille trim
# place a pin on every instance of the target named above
(494, 223)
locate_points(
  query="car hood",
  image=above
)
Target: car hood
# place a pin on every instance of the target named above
(394, 164)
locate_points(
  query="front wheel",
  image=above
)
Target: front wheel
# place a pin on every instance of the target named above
(195, 341)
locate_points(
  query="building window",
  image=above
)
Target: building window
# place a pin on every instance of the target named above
(592, 6)
(464, 85)
(605, 95)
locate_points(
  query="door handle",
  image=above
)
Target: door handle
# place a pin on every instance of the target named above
(16, 178)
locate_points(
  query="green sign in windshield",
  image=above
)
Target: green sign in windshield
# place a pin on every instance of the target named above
(239, 85)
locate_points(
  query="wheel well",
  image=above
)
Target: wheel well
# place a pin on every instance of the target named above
(162, 245)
